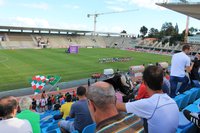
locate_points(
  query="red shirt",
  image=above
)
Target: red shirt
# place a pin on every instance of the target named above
(167, 77)
(142, 92)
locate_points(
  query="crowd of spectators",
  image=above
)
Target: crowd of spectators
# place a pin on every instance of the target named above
(98, 103)
(115, 59)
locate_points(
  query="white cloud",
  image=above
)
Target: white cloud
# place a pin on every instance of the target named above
(68, 6)
(41, 5)
(1, 2)
(41, 23)
(116, 8)
(30, 22)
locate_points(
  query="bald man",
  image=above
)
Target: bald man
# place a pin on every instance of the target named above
(8, 122)
(102, 105)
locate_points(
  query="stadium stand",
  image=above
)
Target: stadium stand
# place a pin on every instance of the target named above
(28, 40)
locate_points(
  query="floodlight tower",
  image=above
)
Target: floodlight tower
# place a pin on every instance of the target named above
(95, 15)
(187, 24)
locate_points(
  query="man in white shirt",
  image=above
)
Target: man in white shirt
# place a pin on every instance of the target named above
(179, 63)
(8, 122)
(159, 111)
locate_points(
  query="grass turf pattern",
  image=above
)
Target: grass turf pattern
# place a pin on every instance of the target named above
(17, 66)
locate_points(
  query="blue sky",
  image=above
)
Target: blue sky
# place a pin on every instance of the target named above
(72, 14)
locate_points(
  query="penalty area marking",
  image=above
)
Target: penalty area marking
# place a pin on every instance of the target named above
(4, 59)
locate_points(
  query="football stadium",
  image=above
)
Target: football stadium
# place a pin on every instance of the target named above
(56, 80)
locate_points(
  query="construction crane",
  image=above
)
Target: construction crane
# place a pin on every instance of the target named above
(95, 15)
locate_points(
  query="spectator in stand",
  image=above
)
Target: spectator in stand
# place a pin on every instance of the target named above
(34, 104)
(28, 114)
(58, 96)
(102, 105)
(74, 97)
(179, 63)
(56, 106)
(88, 82)
(53, 99)
(62, 99)
(44, 95)
(65, 108)
(67, 94)
(8, 122)
(80, 112)
(158, 104)
(49, 103)
(166, 86)
(166, 74)
(57, 88)
(38, 105)
(142, 92)
(74, 93)
(194, 75)
(42, 103)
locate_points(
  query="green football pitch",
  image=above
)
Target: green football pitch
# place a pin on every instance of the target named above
(18, 66)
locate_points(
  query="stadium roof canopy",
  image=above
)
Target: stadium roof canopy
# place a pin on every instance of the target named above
(15, 29)
(189, 9)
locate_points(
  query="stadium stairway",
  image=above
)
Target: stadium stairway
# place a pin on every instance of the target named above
(1, 47)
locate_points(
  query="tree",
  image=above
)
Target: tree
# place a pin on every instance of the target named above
(168, 29)
(123, 32)
(153, 33)
(143, 30)
(176, 28)
(192, 30)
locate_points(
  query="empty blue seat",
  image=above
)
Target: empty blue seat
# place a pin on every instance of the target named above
(52, 127)
(185, 101)
(45, 122)
(183, 121)
(90, 128)
(185, 126)
(44, 125)
(197, 101)
(75, 131)
(57, 130)
(52, 131)
(197, 92)
(194, 93)
(192, 108)
(191, 98)
(189, 129)
(56, 112)
(179, 99)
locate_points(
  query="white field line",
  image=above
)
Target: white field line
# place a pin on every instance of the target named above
(5, 59)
